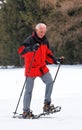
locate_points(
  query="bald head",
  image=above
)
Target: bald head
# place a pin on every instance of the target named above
(41, 30)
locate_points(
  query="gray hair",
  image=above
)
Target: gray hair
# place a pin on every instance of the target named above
(39, 25)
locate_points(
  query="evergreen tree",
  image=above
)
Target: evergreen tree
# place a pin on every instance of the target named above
(17, 19)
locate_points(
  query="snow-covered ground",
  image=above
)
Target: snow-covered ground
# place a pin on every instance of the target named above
(67, 93)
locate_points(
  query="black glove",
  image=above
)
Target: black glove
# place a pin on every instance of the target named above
(35, 47)
(60, 59)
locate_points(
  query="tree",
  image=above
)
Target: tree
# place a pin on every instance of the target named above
(17, 18)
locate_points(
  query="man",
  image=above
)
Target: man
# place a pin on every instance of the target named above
(36, 53)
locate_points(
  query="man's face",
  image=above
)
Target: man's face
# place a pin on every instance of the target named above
(41, 32)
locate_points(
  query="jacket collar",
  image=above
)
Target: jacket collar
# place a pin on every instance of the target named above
(37, 39)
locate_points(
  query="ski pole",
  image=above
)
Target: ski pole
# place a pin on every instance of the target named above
(56, 73)
(24, 83)
(20, 97)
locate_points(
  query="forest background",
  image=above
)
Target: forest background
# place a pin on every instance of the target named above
(62, 17)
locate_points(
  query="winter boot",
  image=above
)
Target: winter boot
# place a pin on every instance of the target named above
(28, 115)
(48, 107)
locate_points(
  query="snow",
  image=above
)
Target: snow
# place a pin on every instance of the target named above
(67, 93)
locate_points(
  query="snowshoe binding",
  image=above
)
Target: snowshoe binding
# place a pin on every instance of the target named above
(48, 108)
(28, 115)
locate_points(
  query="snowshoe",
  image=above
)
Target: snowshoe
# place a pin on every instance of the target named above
(47, 110)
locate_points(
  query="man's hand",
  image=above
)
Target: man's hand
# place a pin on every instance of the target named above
(61, 59)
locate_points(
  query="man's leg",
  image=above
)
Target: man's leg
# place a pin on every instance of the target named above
(28, 94)
(47, 79)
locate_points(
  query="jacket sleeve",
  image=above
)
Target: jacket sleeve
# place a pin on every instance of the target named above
(23, 50)
(25, 47)
(50, 59)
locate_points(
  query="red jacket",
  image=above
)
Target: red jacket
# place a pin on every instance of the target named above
(35, 62)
